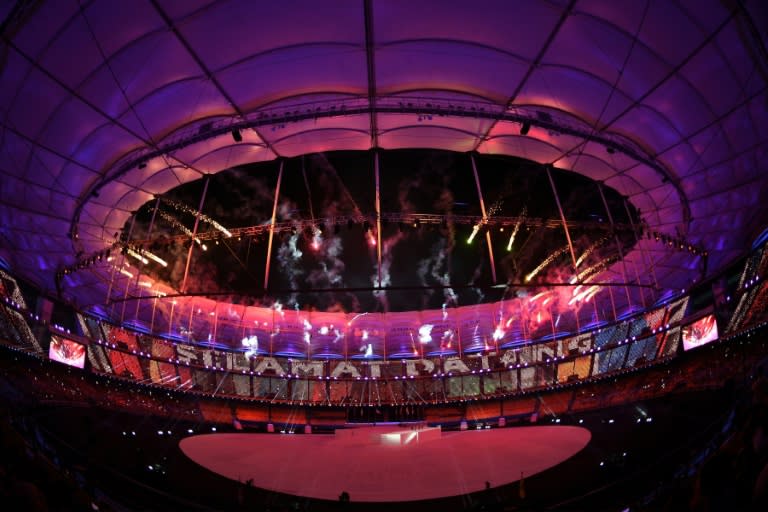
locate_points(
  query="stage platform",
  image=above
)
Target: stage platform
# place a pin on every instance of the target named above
(447, 464)
(387, 433)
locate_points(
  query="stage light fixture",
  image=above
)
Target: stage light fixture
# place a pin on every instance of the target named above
(525, 128)
(236, 135)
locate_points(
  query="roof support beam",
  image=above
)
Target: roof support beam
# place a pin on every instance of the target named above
(371, 70)
(193, 238)
(511, 101)
(562, 218)
(378, 214)
(215, 81)
(272, 225)
(618, 244)
(484, 220)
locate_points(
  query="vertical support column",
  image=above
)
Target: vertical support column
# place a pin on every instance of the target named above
(194, 235)
(458, 338)
(189, 325)
(640, 288)
(613, 302)
(552, 322)
(128, 280)
(272, 334)
(170, 318)
(215, 320)
(347, 328)
(618, 247)
(384, 345)
(562, 218)
(149, 237)
(111, 285)
(647, 260)
(378, 213)
(125, 300)
(596, 309)
(272, 224)
(242, 322)
(485, 216)
(152, 321)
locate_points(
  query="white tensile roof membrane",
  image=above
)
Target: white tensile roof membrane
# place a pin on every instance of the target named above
(105, 104)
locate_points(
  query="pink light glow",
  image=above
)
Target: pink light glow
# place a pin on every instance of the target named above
(413, 471)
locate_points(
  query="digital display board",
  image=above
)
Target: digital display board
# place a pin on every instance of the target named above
(67, 352)
(701, 332)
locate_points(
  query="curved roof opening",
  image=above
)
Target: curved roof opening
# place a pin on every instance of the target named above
(430, 226)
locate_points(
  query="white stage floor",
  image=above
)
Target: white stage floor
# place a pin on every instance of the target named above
(322, 466)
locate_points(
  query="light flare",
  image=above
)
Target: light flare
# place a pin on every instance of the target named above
(425, 333)
(475, 230)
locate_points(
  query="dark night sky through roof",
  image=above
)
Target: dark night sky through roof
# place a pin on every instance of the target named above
(413, 181)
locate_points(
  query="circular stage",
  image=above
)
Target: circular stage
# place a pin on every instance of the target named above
(386, 464)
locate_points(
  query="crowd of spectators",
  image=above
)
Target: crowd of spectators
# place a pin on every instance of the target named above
(31, 476)
(40, 380)
(730, 471)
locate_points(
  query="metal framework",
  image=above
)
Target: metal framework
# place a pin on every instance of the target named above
(420, 106)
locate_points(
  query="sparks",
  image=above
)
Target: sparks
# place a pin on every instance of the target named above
(475, 229)
(546, 262)
(590, 250)
(517, 227)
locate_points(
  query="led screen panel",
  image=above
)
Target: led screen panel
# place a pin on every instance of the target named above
(701, 332)
(67, 351)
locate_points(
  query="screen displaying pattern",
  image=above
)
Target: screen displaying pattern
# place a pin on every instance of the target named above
(700, 332)
(67, 351)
